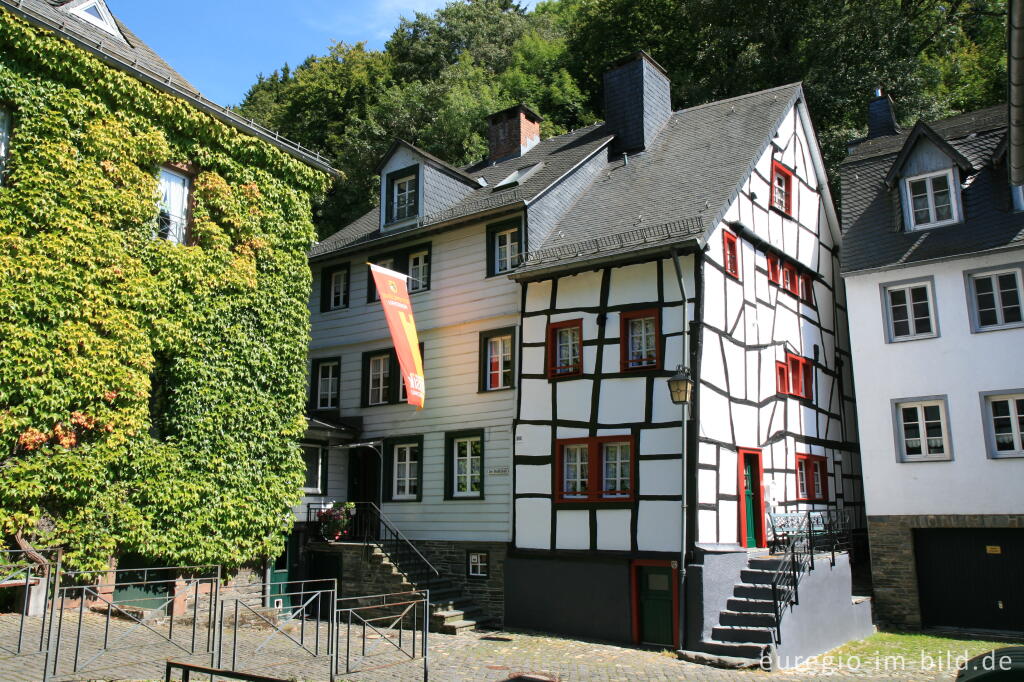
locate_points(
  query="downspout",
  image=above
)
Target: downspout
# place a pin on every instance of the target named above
(683, 463)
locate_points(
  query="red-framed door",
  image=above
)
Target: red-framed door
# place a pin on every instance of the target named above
(655, 604)
(751, 498)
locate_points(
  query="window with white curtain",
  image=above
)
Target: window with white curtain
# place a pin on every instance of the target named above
(172, 221)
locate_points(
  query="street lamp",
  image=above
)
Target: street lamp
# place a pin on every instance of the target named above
(680, 386)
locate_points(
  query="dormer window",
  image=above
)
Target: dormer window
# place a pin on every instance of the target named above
(402, 194)
(96, 13)
(932, 200)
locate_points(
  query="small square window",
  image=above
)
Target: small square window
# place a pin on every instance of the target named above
(730, 254)
(921, 430)
(497, 368)
(477, 564)
(931, 200)
(173, 207)
(640, 340)
(811, 478)
(995, 299)
(565, 349)
(782, 188)
(909, 311)
(315, 458)
(1004, 422)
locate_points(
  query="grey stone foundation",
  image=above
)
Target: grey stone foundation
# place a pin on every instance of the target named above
(450, 558)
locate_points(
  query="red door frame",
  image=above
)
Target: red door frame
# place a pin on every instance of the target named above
(741, 486)
(634, 595)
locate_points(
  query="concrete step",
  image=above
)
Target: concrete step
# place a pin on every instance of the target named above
(747, 619)
(457, 601)
(765, 563)
(751, 605)
(719, 660)
(755, 576)
(751, 591)
(742, 634)
(456, 627)
(748, 650)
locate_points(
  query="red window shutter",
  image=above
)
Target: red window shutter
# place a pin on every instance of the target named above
(730, 251)
(807, 288)
(790, 279)
(782, 377)
(808, 378)
(774, 269)
(796, 375)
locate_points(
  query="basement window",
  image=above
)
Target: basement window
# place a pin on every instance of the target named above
(477, 564)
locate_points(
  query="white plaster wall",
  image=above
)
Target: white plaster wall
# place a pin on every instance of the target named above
(957, 364)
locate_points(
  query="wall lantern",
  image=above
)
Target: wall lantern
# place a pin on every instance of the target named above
(681, 386)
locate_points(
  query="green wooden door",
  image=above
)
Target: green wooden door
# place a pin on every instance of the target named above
(749, 502)
(281, 574)
(655, 597)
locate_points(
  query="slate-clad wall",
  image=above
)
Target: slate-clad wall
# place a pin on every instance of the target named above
(637, 103)
(749, 325)
(548, 209)
(441, 191)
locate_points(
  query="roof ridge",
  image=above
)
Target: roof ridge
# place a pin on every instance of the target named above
(797, 84)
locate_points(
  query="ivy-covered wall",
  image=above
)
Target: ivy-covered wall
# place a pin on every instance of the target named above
(151, 394)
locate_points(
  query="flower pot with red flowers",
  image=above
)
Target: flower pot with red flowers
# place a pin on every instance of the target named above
(334, 521)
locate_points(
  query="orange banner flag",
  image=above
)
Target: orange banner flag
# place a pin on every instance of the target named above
(394, 297)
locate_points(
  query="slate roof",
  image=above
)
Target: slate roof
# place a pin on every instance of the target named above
(558, 154)
(139, 60)
(872, 233)
(670, 194)
(677, 190)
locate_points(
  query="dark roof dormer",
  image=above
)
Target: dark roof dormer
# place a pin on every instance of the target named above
(922, 131)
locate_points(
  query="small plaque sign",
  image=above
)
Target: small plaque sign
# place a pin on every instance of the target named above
(993, 549)
(498, 471)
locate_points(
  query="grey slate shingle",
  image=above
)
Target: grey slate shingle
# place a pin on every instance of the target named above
(872, 237)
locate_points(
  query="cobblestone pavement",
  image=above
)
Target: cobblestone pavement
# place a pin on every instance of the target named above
(139, 654)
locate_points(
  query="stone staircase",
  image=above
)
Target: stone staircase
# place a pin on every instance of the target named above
(745, 630)
(451, 612)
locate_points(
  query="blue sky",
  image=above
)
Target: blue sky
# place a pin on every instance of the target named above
(220, 46)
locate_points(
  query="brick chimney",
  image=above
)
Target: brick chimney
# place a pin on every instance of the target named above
(512, 132)
(881, 118)
(637, 101)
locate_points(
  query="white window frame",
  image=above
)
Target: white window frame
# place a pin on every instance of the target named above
(507, 255)
(899, 428)
(580, 453)
(328, 399)
(646, 356)
(338, 290)
(801, 478)
(378, 379)
(419, 271)
(407, 210)
(621, 464)
(503, 344)
(1016, 422)
(177, 229)
(104, 22)
(568, 339)
(476, 565)
(954, 199)
(321, 457)
(5, 141)
(406, 470)
(970, 277)
(388, 263)
(469, 458)
(890, 323)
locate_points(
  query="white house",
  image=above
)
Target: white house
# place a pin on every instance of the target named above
(933, 258)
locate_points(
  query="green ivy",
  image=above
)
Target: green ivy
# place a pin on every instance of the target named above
(151, 394)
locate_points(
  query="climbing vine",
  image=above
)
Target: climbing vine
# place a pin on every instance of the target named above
(151, 394)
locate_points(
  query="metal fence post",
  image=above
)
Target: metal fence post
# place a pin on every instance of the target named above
(426, 629)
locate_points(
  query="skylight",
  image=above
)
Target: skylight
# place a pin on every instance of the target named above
(96, 13)
(520, 176)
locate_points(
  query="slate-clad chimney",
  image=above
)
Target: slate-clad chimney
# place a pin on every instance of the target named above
(512, 132)
(637, 101)
(881, 119)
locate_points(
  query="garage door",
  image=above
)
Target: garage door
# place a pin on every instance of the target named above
(971, 577)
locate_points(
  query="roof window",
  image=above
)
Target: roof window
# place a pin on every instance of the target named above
(520, 176)
(96, 13)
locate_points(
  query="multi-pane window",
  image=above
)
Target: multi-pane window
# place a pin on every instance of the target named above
(371, 283)
(922, 430)
(931, 200)
(911, 315)
(565, 348)
(506, 250)
(467, 472)
(314, 457)
(595, 469)
(419, 270)
(731, 254)
(379, 379)
(811, 477)
(404, 197)
(338, 292)
(476, 564)
(795, 376)
(782, 188)
(172, 219)
(406, 463)
(498, 362)
(328, 381)
(997, 298)
(640, 339)
(1006, 423)
(5, 140)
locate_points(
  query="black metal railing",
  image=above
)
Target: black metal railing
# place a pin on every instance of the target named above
(368, 525)
(813, 532)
